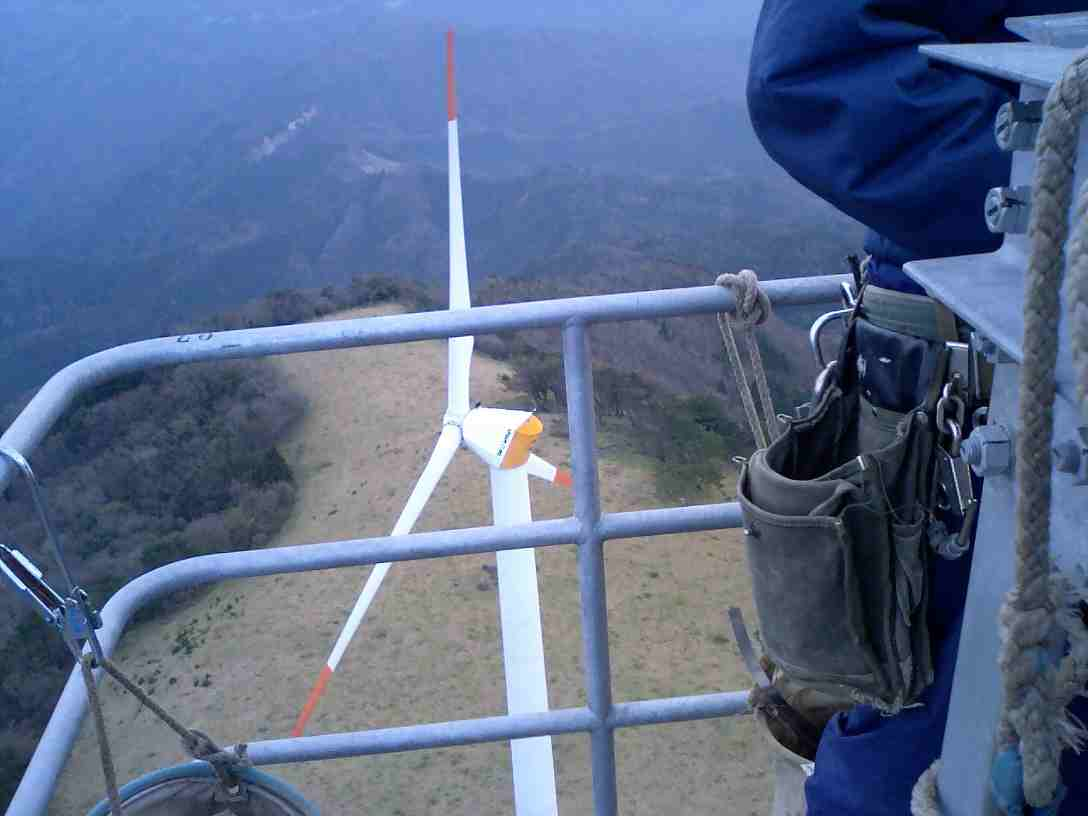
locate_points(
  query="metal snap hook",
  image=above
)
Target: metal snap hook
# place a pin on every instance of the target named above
(817, 329)
(957, 418)
(823, 381)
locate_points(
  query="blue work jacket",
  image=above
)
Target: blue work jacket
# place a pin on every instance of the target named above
(840, 97)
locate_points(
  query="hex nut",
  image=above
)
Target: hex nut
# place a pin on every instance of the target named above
(988, 450)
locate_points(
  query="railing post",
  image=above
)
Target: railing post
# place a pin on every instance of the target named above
(578, 370)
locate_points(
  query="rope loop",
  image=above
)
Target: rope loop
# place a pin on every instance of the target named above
(753, 308)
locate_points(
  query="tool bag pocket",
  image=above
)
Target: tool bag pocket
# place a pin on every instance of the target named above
(804, 582)
(837, 553)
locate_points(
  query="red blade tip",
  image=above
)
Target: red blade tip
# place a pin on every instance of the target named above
(311, 702)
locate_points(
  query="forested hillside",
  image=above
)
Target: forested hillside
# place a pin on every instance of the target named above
(143, 471)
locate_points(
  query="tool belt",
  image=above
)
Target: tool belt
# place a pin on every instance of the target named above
(838, 512)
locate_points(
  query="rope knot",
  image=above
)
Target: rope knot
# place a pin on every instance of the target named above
(753, 307)
(199, 745)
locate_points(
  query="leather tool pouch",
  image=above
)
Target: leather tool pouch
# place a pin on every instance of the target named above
(836, 516)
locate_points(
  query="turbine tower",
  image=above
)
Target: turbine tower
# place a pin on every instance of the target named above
(502, 439)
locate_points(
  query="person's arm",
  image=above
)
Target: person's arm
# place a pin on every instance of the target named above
(841, 98)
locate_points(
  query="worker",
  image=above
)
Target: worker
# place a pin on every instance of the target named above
(841, 98)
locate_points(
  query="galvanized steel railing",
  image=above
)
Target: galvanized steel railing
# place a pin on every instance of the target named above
(589, 528)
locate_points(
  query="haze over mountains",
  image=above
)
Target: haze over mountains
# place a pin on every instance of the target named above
(163, 160)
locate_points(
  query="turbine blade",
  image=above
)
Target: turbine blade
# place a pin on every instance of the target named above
(448, 443)
(459, 295)
(460, 362)
(531, 759)
(548, 472)
(460, 348)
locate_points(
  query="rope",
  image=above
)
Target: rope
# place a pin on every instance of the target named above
(108, 770)
(1007, 774)
(752, 309)
(923, 798)
(1032, 721)
(1076, 300)
(196, 743)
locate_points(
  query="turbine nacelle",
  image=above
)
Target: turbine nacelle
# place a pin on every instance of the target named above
(500, 437)
(503, 439)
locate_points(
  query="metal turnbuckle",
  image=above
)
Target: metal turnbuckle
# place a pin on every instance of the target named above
(28, 582)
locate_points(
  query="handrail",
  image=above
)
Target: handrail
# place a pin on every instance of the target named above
(589, 529)
(58, 393)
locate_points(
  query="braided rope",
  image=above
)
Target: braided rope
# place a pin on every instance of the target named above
(923, 797)
(108, 770)
(753, 307)
(1076, 299)
(197, 744)
(1031, 719)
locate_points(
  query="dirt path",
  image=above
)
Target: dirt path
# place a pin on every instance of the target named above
(239, 662)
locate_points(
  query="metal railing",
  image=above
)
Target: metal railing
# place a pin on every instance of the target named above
(589, 528)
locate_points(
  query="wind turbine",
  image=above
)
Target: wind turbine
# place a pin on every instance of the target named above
(502, 439)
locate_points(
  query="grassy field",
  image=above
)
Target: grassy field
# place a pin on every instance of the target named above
(239, 661)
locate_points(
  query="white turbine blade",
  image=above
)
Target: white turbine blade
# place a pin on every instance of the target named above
(448, 443)
(460, 350)
(460, 361)
(459, 296)
(548, 472)
(523, 647)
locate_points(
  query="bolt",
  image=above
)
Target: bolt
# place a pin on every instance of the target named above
(1008, 209)
(1017, 125)
(986, 347)
(988, 450)
(1066, 457)
(1071, 457)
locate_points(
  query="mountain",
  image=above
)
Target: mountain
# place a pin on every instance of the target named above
(95, 93)
(318, 213)
(161, 161)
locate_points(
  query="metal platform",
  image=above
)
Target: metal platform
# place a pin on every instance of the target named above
(987, 291)
(589, 529)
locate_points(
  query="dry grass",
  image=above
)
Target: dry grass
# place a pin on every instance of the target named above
(239, 662)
